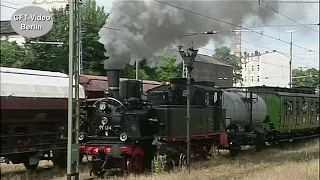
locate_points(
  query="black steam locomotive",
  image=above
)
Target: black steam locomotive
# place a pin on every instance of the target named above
(126, 132)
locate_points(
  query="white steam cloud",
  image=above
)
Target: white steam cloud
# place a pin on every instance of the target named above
(146, 28)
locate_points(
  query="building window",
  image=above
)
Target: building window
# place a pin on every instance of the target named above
(245, 79)
(258, 57)
(252, 68)
(251, 78)
(258, 67)
(258, 79)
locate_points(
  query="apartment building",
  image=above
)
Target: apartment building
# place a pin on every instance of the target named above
(268, 68)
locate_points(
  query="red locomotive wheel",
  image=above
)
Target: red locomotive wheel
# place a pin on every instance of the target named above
(135, 164)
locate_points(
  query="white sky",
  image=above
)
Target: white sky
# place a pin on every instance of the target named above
(303, 37)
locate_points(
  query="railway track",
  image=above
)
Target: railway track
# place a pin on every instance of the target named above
(42, 172)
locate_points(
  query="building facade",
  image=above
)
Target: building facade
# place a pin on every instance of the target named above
(207, 68)
(268, 69)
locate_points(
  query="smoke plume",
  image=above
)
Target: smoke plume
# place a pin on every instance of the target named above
(140, 29)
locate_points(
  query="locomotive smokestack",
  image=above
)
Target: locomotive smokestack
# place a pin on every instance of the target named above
(113, 82)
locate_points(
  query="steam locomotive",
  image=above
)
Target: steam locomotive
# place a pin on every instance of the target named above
(126, 132)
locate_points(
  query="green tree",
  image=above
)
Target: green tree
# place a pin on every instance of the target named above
(14, 55)
(130, 72)
(169, 69)
(309, 77)
(55, 58)
(224, 53)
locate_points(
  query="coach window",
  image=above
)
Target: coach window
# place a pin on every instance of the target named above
(285, 107)
(297, 106)
(304, 107)
(290, 107)
(209, 99)
(311, 107)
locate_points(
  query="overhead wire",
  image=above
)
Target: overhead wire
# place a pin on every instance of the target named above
(12, 3)
(285, 54)
(283, 25)
(266, 5)
(225, 22)
(8, 6)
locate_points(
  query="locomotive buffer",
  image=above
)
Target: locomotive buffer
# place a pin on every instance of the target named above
(73, 98)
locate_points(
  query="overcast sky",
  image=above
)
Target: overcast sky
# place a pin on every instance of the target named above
(303, 37)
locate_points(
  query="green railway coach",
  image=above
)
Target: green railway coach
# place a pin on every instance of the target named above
(289, 110)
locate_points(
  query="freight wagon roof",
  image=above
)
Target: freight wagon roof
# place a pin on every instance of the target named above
(99, 83)
(33, 83)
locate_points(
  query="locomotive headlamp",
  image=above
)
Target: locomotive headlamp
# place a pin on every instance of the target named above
(104, 120)
(102, 106)
(81, 136)
(123, 137)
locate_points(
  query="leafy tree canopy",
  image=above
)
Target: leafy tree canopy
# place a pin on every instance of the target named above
(55, 58)
(13, 55)
(309, 77)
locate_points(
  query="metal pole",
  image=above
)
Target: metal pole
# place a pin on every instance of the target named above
(290, 63)
(188, 116)
(80, 46)
(70, 97)
(137, 68)
(73, 102)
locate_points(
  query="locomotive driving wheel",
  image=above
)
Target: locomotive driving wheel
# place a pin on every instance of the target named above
(134, 164)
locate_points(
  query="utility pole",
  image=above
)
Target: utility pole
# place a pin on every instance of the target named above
(290, 61)
(80, 50)
(137, 69)
(80, 41)
(73, 97)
